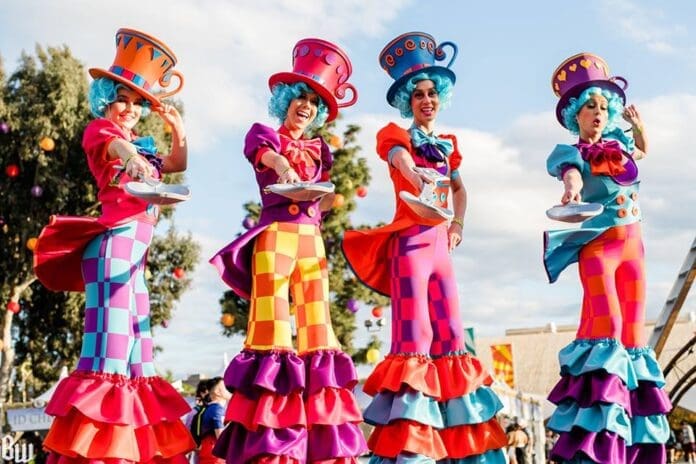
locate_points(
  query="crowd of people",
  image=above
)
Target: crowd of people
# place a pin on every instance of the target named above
(287, 397)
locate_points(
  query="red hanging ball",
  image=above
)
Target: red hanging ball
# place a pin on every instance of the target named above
(179, 273)
(13, 307)
(377, 311)
(361, 191)
(12, 170)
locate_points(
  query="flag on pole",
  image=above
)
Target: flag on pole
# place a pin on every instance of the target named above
(502, 364)
(469, 341)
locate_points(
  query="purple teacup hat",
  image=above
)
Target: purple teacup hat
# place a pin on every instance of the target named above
(412, 53)
(580, 72)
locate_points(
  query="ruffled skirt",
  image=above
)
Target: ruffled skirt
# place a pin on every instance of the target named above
(113, 419)
(611, 405)
(290, 409)
(425, 410)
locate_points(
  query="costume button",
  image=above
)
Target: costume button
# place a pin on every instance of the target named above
(621, 213)
(311, 212)
(635, 211)
(620, 200)
(634, 196)
(294, 209)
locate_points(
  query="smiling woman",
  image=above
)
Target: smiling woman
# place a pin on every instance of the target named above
(290, 405)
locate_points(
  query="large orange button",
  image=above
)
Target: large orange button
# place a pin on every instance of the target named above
(620, 200)
(621, 213)
(294, 209)
(311, 212)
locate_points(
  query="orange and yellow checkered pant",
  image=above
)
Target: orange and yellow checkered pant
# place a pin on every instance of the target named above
(613, 278)
(289, 259)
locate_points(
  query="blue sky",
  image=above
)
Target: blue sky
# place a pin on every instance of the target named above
(502, 113)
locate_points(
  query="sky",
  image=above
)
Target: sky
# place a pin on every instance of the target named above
(502, 113)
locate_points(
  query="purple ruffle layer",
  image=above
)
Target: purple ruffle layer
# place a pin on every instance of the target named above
(335, 441)
(251, 372)
(644, 453)
(591, 388)
(329, 369)
(237, 445)
(605, 447)
(648, 399)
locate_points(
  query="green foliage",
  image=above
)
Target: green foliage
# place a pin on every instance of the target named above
(47, 97)
(349, 171)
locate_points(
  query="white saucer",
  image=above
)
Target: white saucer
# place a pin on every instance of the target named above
(426, 210)
(159, 193)
(574, 212)
(302, 191)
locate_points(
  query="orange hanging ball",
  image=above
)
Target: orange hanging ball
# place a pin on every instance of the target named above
(377, 311)
(47, 144)
(227, 320)
(31, 243)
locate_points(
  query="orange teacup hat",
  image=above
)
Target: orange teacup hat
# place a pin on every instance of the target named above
(141, 62)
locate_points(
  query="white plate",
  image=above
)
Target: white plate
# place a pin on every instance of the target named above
(302, 191)
(574, 212)
(160, 193)
(424, 209)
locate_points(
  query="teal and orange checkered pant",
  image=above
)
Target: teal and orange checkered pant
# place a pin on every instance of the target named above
(289, 259)
(613, 278)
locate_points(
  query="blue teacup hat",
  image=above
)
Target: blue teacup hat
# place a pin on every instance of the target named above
(412, 53)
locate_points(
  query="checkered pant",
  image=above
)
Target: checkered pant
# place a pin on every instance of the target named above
(425, 304)
(117, 337)
(613, 278)
(290, 259)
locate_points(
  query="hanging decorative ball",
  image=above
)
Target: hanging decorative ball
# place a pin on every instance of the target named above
(372, 355)
(47, 144)
(12, 170)
(179, 273)
(13, 307)
(36, 191)
(352, 305)
(338, 200)
(165, 323)
(249, 222)
(335, 141)
(377, 311)
(227, 320)
(361, 191)
(31, 243)
(4, 128)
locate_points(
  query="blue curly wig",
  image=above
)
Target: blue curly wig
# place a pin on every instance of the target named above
(283, 94)
(402, 97)
(615, 108)
(103, 92)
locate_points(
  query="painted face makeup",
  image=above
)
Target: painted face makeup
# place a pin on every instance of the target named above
(127, 108)
(593, 117)
(425, 102)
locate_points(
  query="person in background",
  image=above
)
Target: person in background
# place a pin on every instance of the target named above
(688, 442)
(212, 422)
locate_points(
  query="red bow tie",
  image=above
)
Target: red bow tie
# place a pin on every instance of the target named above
(303, 155)
(605, 158)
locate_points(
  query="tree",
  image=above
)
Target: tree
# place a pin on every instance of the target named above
(43, 112)
(349, 173)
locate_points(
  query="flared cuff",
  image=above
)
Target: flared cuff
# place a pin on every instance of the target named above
(413, 405)
(331, 442)
(460, 374)
(592, 388)
(476, 407)
(650, 429)
(332, 406)
(600, 447)
(611, 417)
(648, 400)
(416, 371)
(329, 369)
(252, 372)
(646, 366)
(406, 437)
(267, 410)
(582, 356)
(465, 441)
(646, 452)
(237, 445)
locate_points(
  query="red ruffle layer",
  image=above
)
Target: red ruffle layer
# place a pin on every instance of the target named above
(460, 375)
(269, 410)
(404, 435)
(473, 439)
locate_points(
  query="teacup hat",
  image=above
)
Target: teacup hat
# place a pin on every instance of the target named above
(580, 72)
(325, 68)
(142, 62)
(412, 53)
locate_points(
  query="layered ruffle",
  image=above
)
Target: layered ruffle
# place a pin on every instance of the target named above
(288, 409)
(650, 405)
(610, 404)
(425, 410)
(109, 417)
(489, 457)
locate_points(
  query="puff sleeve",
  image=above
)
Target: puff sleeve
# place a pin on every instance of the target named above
(392, 136)
(97, 136)
(258, 140)
(561, 158)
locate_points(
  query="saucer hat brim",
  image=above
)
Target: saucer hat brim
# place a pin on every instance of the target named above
(323, 92)
(430, 70)
(575, 92)
(152, 98)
